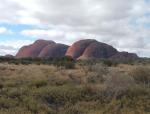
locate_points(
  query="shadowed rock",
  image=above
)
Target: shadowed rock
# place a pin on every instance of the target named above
(54, 51)
(78, 48)
(125, 55)
(98, 50)
(85, 49)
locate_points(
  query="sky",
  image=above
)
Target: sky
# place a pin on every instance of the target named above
(124, 24)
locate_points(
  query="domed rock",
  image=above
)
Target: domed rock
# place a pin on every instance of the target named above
(34, 49)
(85, 49)
(125, 55)
(54, 51)
(98, 50)
(78, 48)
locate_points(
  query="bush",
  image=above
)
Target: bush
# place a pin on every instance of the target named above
(7, 103)
(35, 105)
(110, 63)
(65, 62)
(62, 94)
(72, 110)
(38, 83)
(117, 83)
(69, 65)
(141, 75)
(99, 72)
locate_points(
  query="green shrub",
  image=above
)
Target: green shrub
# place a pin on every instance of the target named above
(110, 63)
(61, 94)
(65, 64)
(38, 83)
(32, 104)
(6, 103)
(69, 65)
(1, 85)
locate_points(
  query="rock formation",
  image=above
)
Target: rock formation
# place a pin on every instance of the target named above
(124, 55)
(34, 49)
(54, 51)
(83, 49)
(88, 48)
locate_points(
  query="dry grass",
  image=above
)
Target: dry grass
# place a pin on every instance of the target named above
(96, 89)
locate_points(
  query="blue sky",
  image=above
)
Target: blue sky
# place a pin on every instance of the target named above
(124, 24)
(15, 30)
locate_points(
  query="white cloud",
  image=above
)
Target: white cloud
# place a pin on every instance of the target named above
(120, 23)
(59, 36)
(3, 30)
(42, 33)
(12, 46)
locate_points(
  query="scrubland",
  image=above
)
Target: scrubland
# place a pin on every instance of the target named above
(83, 89)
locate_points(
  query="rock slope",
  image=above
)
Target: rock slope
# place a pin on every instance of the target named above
(83, 49)
(43, 49)
(53, 51)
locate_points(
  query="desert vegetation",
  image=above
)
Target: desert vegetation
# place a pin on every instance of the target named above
(65, 86)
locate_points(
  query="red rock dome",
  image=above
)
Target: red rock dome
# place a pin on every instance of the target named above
(99, 50)
(83, 49)
(90, 49)
(78, 48)
(33, 50)
(54, 51)
(124, 55)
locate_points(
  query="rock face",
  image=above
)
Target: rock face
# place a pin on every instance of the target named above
(53, 51)
(125, 55)
(78, 48)
(42, 48)
(85, 49)
(33, 50)
(98, 50)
